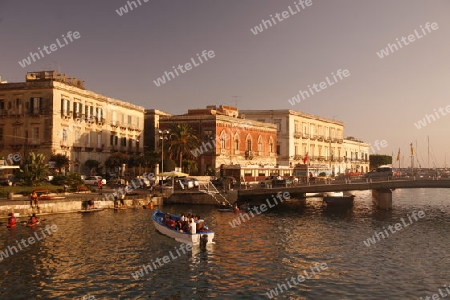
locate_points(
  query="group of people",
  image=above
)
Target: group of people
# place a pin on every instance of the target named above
(186, 223)
(12, 221)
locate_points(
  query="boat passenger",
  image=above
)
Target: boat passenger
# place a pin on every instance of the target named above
(91, 204)
(33, 219)
(12, 220)
(199, 223)
(193, 226)
(182, 218)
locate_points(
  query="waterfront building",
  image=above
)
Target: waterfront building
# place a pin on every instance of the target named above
(356, 156)
(151, 129)
(316, 140)
(227, 138)
(53, 113)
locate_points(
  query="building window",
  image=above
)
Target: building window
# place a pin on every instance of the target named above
(129, 120)
(236, 144)
(207, 135)
(35, 134)
(35, 105)
(2, 104)
(64, 135)
(260, 145)
(116, 140)
(278, 123)
(65, 107)
(249, 145)
(1, 133)
(278, 149)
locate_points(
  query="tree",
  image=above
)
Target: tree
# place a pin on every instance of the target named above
(183, 140)
(61, 161)
(34, 168)
(190, 166)
(92, 164)
(378, 160)
(116, 160)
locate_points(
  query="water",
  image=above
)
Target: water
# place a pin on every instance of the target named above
(94, 255)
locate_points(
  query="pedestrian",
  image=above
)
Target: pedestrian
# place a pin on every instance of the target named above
(100, 186)
(33, 198)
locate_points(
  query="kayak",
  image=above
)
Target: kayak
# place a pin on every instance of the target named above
(31, 225)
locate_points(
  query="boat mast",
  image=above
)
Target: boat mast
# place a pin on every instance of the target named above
(428, 162)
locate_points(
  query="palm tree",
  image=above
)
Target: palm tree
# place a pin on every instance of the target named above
(61, 161)
(34, 169)
(183, 140)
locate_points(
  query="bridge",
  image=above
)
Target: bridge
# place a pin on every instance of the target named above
(381, 190)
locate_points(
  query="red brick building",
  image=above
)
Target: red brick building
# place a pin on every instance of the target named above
(227, 138)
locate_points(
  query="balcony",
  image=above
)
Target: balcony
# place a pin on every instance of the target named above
(298, 157)
(327, 139)
(65, 114)
(223, 151)
(114, 124)
(248, 155)
(313, 137)
(297, 135)
(77, 115)
(320, 138)
(321, 158)
(340, 141)
(305, 136)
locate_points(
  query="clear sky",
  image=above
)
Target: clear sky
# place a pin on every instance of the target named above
(122, 56)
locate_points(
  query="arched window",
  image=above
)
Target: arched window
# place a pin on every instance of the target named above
(260, 145)
(270, 145)
(249, 145)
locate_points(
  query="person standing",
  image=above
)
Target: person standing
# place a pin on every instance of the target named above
(33, 198)
(100, 186)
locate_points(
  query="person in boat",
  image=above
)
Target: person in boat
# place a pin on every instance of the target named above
(122, 198)
(12, 220)
(193, 226)
(199, 221)
(91, 204)
(33, 220)
(182, 218)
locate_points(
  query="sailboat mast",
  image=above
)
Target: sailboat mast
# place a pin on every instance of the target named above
(428, 162)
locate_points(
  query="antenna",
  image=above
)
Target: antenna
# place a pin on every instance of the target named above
(236, 100)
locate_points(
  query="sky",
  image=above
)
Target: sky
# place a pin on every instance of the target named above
(382, 98)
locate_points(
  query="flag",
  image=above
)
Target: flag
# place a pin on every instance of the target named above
(398, 155)
(412, 149)
(305, 159)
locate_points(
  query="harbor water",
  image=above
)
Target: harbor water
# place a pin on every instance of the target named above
(102, 255)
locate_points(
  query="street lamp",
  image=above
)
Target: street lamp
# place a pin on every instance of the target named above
(163, 135)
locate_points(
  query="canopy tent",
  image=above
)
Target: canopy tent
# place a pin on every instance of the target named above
(172, 174)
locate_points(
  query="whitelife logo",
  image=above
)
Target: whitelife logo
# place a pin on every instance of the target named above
(49, 49)
(430, 118)
(280, 17)
(319, 87)
(391, 48)
(393, 229)
(187, 66)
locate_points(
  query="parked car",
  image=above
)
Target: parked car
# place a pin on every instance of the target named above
(93, 180)
(185, 183)
(218, 183)
(276, 180)
(382, 172)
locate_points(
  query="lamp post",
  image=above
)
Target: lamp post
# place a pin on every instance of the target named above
(163, 135)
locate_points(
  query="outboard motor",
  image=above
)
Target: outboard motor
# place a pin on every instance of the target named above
(203, 241)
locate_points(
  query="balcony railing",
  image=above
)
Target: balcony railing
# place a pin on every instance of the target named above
(297, 135)
(320, 138)
(305, 135)
(249, 154)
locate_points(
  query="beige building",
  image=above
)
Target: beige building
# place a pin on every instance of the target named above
(151, 129)
(52, 113)
(356, 155)
(301, 134)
